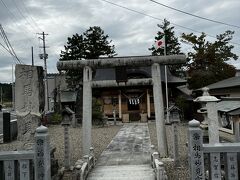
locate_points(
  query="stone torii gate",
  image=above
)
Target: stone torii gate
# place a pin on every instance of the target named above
(131, 61)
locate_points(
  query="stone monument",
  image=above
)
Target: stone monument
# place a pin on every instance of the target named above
(29, 99)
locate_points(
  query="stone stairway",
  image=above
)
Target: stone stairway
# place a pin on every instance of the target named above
(127, 156)
(122, 172)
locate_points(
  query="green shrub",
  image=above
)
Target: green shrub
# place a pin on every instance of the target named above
(55, 118)
(97, 114)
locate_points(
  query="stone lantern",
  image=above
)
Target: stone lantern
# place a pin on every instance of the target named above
(66, 117)
(174, 115)
(174, 118)
(66, 123)
(210, 114)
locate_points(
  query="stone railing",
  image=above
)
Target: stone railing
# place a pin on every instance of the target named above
(158, 166)
(82, 168)
(39, 158)
(196, 152)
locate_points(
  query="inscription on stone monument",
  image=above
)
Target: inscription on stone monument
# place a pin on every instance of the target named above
(29, 99)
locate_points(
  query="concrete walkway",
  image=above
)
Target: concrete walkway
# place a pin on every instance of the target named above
(127, 156)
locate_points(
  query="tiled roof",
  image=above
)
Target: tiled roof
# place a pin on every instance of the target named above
(227, 106)
(226, 83)
(109, 74)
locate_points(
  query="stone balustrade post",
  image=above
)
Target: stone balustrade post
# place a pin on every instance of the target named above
(160, 170)
(154, 156)
(42, 159)
(91, 151)
(195, 152)
(92, 155)
(86, 159)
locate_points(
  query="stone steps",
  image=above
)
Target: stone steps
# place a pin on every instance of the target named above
(122, 172)
(127, 157)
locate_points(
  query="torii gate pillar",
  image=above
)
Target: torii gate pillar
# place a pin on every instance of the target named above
(159, 110)
(87, 110)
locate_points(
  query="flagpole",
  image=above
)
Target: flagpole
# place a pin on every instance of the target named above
(166, 80)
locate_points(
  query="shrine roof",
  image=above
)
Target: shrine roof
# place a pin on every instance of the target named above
(144, 72)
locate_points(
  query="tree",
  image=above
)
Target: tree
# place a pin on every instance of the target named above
(172, 45)
(90, 45)
(207, 62)
(6, 92)
(97, 44)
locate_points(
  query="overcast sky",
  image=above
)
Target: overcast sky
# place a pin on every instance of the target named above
(130, 32)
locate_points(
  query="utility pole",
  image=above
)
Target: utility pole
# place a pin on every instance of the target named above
(13, 89)
(1, 96)
(44, 56)
(32, 57)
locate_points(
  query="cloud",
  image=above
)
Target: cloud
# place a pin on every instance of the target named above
(132, 33)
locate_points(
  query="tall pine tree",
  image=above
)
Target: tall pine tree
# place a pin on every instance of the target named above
(92, 44)
(207, 63)
(172, 45)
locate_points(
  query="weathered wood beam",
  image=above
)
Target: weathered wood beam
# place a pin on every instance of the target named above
(121, 61)
(130, 82)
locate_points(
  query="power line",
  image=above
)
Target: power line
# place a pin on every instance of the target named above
(200, 17)
(142, 13)
(5, 48)
(24, 17)
(153, 17)
(8, 44)
(29, 14)
(14, 20)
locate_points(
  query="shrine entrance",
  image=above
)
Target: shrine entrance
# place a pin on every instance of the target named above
(140, 61)
(136, 104)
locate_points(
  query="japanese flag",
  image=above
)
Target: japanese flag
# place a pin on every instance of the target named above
(160, 43)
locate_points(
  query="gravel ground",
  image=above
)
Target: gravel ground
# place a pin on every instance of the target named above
(101, 137)
(181, 173)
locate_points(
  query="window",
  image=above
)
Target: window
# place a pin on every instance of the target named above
(225, 121)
